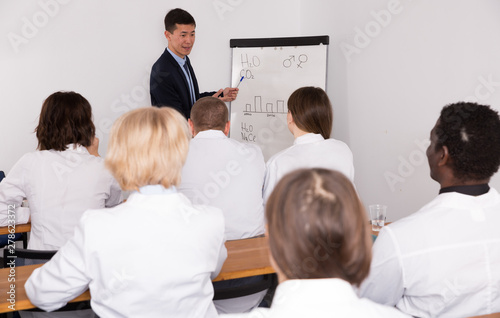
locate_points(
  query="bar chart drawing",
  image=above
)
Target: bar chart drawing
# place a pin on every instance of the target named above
(270, 108)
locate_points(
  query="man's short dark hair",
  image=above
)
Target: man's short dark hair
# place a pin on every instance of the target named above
(471, 132)
(209, 113)
(177, 16)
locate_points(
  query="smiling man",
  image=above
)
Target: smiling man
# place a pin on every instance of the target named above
(173, 82)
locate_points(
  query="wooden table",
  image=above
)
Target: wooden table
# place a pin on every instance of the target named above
(20, 228)
(497, 315)
(244, 258)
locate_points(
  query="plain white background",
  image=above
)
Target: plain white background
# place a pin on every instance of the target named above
(392, 66)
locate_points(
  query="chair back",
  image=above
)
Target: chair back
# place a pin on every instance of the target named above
(267, 282)
(23, 256)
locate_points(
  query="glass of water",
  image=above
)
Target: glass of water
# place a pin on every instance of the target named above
(377, 216)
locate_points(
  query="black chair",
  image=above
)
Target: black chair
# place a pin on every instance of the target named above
(268, 282)
(4, 239)
(24, 257)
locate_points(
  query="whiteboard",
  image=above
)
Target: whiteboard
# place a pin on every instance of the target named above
(272, 69)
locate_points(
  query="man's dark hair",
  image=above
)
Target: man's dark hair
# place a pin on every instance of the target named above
(471, 132)
(177, 16)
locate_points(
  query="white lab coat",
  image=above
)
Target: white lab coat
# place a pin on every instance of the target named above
(318, 298)
(442, 261)
(152, 256)
(229, 175)
(308, 151)
(59, 186)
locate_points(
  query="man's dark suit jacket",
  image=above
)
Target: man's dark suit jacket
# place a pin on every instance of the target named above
(168, 85)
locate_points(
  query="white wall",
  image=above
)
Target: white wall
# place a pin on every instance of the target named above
(105, 49)
(387, 92)
(390, 83)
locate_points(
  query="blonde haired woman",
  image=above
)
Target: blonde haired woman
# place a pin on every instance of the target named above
(169, 272)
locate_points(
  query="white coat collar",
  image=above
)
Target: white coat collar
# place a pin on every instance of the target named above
(210, 134)
(76, 148)
(310, 291)
(155, 189)
(308, 138)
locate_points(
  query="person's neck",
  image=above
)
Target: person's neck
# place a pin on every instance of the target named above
(297, 132)
(173, 52)
(454, 182)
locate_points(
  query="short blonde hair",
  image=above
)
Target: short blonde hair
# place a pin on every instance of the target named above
(148, 146)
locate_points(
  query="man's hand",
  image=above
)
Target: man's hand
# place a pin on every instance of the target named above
(229, 94)
(94, 148)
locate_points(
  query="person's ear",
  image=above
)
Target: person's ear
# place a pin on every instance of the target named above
(444, 157)
(289, 118)
(191, 127)
(168, 35)
(227, 127)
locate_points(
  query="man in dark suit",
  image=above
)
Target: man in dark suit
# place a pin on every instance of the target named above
(173, 82)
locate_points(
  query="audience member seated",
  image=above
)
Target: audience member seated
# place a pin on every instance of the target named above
(310, 118)
(169, 273)
(63, 178)
(443, 261)
(320, 247)
(229, 175)
(223, 172)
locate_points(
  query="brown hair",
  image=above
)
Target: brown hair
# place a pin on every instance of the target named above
(148, 146)
(66, 118)
(311, 110)
(209, 113)
(318, 228)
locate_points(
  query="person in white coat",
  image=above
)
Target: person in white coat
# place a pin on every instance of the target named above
(229, 175)
(223, 172)
(309, 119)
(320, 247)
(443, 261)
(167, 274)
(62, 179)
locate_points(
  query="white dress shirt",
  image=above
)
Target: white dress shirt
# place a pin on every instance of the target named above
(309, 151)
(442, 261)
(227, 174)
(152, 256)
(329, 297)
(59, 186)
